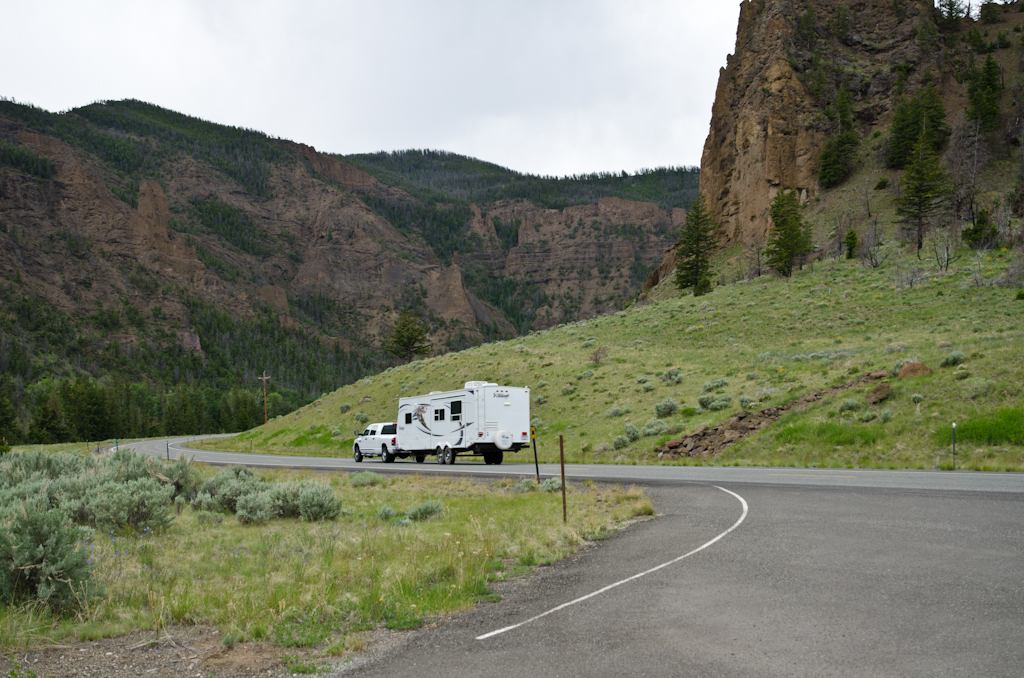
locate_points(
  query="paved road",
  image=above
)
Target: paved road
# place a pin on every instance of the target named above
(830, 573)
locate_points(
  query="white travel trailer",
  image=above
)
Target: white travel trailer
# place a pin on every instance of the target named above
(480, 420)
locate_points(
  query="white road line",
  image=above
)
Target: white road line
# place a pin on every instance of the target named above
(628, 579)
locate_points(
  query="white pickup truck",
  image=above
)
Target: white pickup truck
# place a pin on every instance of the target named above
(379, 440)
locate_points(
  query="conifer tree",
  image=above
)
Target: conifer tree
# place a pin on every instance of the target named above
(836, 160)
(924, 112)
(699, 238)
(408, 337)
(788, 240)
(925, 190)
(984, 93)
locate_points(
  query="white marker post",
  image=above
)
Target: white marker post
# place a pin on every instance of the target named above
(954, 445)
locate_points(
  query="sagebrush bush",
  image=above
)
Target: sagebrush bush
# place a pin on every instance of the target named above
(385, 512)
(541, 384)
(39, 557)
(712, 385)
(632, 432)
(568, 389)
(706, 400)
(886, 415)
(525, 485)
(666, 408)
(868, 416)
(654, 427)
(616, 412)
(954, 358)
(720, 402)
(673, 377)
(642, 379)
(585, 374)
(649, 386)
(345, 407)
(899, 365)
(204, 501)
(364, 478)
(620, 442)
(747, 401)
(424, 510)
(256, 508)
(541, 400)
(849, 405)
(317, 502)
(136, 504)
(551, 484)
(285, 498)
(917, 397)
(231, 484)
(362, 417)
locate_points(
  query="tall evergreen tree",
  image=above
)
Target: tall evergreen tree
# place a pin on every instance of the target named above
(408, 337)
(925, 190)
(922, 113)
(8, 421)
(984, 92)
(951, 11)
(696, 243)
(788, 240)
(836, 160)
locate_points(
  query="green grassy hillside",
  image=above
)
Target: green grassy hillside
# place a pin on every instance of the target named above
(766, 342)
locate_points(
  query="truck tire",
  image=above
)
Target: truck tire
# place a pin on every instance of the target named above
(356, 454)
(386, 456)
(503, 440)
(449, 456)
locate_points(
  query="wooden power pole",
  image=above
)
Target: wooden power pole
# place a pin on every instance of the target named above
(264, 379)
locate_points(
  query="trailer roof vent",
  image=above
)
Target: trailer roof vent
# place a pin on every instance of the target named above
(475, 384)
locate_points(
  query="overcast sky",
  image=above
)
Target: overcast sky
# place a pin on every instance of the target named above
(547, 87)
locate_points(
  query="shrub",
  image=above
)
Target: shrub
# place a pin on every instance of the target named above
(362, 417)
(424, 510)
(345, 407)
(849, 405)
(616, 412)
(747, 401)
(589, 343)
(317, 502)
(551, 484)
(586, 374)
(705, 400)
(886, 415)
(620, 442)
(882, 184)
(525, 485)
(229, 485)
(917, 397)
(673, 376)
(632, 432)
(183, 475)
(689, 411)
(642, 379)
(666, 408)
(541, 384)
(899, 365)
(286, 499)
(335, 433)
(720, 403)
(256, 508)
(675, 428)
(655, 427)
(541, 400)
(599, 355)
(568, 389)
(206, 502)
(1020, 295)
(649, 386)
(868, 416)
(136, 504)
(39, 557)
(385, 512)
(364, 478)
(954, 358)
(712, 385)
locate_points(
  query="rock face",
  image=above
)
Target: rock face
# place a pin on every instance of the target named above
(768, 125)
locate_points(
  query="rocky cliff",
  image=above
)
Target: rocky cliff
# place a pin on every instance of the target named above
(770, 117)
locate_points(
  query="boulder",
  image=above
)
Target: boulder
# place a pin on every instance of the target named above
(673, 444)
(880, 393)
(914, 370)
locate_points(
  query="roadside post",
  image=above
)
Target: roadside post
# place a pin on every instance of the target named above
(536, 464)
(561, 454)
(954, 445)
(168, 451)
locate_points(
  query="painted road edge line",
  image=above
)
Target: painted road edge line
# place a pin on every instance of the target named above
(628, 579)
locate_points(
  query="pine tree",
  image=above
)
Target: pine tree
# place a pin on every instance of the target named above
(836, 160)
(699, 238)
(924, 112)
(850, 241)
(951, 11)
(788, 240)
(984, 93)
(408, 337)
(925, 190)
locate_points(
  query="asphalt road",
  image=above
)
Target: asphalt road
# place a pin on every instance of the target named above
(829, 573)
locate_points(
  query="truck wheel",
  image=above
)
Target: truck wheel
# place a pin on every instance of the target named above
(440, 456)
(420, 458)
(449, 456)
(386, 456)
(356, 454)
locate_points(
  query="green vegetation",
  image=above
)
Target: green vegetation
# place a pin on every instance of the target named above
(295, 583)
(925, 190)
(789, 240)
(696, 244)
(984, 91)
(408, 337)
(922, 114)
(24, 160)
(839, 153)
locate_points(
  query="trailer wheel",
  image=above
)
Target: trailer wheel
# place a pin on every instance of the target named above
(497, 457)
(449, 456)
(440, 456)
(386, 456)
(356, 454)
(420, 458)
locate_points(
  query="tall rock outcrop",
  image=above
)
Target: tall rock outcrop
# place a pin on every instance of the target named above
(769, 122)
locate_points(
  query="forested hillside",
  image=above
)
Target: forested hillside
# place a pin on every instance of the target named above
(155, 264)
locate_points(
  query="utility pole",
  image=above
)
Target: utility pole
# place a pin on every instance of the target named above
(264, 379)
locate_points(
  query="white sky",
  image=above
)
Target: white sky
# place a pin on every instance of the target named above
(547, 87)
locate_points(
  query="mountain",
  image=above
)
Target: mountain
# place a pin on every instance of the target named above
(148, 247)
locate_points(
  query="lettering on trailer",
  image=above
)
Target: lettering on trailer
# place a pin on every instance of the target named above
(501, 394)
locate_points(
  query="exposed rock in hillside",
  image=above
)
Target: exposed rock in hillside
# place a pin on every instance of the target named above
(768, 124)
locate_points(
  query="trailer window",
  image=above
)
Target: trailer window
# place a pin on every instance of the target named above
(456, 410)
(408, 417)
(439, 414)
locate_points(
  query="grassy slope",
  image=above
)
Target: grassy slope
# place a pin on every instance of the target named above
(758, 336)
